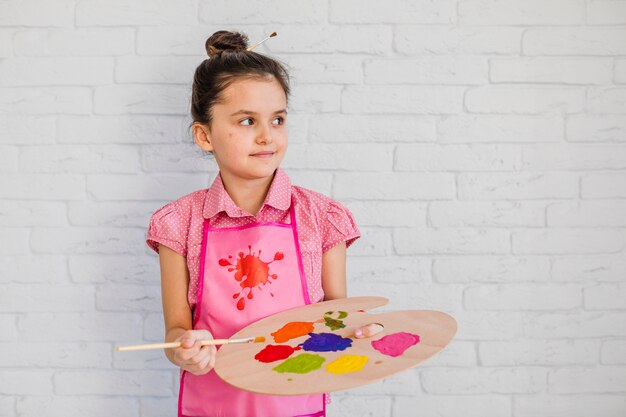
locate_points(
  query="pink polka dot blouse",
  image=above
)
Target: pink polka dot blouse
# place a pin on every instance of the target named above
(322, 224)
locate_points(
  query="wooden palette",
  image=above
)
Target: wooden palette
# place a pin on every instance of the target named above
(236, 363)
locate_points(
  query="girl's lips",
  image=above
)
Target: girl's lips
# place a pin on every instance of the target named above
(263, 154)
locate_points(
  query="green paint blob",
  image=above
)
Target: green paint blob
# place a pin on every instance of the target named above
(301, 364)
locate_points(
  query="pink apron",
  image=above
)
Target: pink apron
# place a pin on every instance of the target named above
(246, 273)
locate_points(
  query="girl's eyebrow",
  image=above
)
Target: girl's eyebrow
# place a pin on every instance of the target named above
(252, 112)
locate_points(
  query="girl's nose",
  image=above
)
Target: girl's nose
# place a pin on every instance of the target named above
(264, 135)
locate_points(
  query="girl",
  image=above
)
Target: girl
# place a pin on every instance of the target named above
(251, 244)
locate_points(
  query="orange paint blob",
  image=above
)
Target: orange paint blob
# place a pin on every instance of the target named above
(251, 272)
(292, 330)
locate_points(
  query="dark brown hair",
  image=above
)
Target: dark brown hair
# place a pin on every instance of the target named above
(229, 61)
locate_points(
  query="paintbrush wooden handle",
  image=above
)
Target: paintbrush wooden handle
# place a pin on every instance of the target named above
(171, 345)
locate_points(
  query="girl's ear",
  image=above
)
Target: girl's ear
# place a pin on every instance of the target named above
(202, 136)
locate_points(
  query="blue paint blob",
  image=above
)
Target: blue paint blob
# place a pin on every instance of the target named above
(326, 342)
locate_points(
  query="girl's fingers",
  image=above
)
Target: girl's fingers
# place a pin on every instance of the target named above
(369, 330)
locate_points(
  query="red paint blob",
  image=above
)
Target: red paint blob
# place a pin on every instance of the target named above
(273, 353)
(396, 343)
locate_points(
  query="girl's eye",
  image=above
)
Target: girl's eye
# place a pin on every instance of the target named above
(245, 120)
(282, 121)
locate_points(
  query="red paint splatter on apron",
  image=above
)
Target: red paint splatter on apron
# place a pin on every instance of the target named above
(251, 272)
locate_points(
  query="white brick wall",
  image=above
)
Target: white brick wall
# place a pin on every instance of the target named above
(481, 145)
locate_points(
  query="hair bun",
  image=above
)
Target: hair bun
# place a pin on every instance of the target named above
(224, 40)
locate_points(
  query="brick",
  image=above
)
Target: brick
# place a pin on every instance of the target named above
(84, 240)
(499, 129)
(402, 99)
(88, 326)
(389, 213)
(457, 353)
(16, 298)
(153, 327)
(539, 353)
(405, 383)
(366, 39)
(569, 405)
(606, 13)
(521, 297)
(151, 360)
(620, 72)
(115, 214)
(42, 187)
(511, 12)
(572, 157)
(58, 42)
(427, 157)
(140, 13)
(481, 325)
(143, 187)
(51, 71)
(422, 296)
(577, 325)
(517, 99)
(115, 268)
(241, 12)
(141, 99)
(321, 182)
(7, 406)
(56, 355)
(17, 129)
(600, 128)
(517, 186)
(396, 11)
(159, 407)
(416, 40)
(33, 269)
(486, 214)
(315, 98)
(340, 157)
(564, 241)
(589, 268)
(581, 380)
(577, 71)
(484, 380)
(613, 352)
(24, 101)
(180, 157)
(128, 297)
(607, 100)
(488, 405)
(112, 382)
(32, 213)
(450, 241)
(470, 70)
(79, 159)
(6, 44)
(8, 328)
(603, 185)
(373, 242)
(57, 406)
(124, 129)
(390, 269)
(8, 159)
(26, 382)
(494, 269)
(156, 70)
(587, 213)
(326, 69)
(371, 128)
(180, 40)
(397, 186)
(574, 41)
(14, 241)
(611, 296)
(31, 13)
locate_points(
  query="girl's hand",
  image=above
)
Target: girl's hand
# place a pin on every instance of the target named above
(192, 356)
(368, 331)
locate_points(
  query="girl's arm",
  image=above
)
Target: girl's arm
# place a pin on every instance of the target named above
(177, 315)
(334, 272)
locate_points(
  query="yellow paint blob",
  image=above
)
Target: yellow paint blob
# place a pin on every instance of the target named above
(346, 364)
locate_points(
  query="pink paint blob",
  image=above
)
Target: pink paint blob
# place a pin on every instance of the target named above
(396, 343)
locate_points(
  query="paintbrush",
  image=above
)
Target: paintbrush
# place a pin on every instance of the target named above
(170, 345)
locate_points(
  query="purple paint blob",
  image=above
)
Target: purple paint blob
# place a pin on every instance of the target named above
(396, 343)
(326, 342)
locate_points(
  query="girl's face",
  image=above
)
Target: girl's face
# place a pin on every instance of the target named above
(248, 134)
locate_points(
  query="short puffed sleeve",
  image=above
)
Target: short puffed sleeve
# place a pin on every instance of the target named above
(168, 228)
(338, 226)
